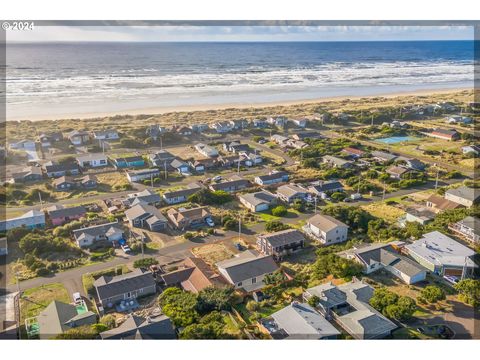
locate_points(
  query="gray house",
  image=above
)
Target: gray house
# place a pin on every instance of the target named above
(144, 328)
(113, 289)
(143, 215)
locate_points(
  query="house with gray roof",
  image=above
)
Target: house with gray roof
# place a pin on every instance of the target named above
(468, 228)
(463, 195)
(326, 229)
(247, 270)
(348, 304)
(161, 158)
(323, 188)
(382, 156)
(280, 243)
(274, 177)
(234, 184)
(32, 219)
(146, 216)
(92, 160)
(85, 237)
(383, 256)
(336, 162)
(179, 196)
(290, 192)
(152, 327)
(258, 201)
(114, 289)
(146, 196)
(59, 317)
(27, 174)
(60, 215)
(298, 321)
(442, 255)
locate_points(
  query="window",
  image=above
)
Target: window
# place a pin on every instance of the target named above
(239, 284)
(254, 280)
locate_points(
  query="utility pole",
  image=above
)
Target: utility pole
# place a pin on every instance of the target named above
(161, 142)
(315, 200)
(151, 180)
(239, 227)
(165, 167)
(372, 120)
(40, 198)
(436, 180)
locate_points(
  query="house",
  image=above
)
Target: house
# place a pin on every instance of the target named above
(60, 215)
(146, 196)
(107, 134)
(146, 216)
(444, 134)
(235, 183)
(258, 201)
(28, 174)
(152, 327)
(32, 219)
(322, 189)
(46, 139)
(290, 192)
(188, 218)
(235, 147)
(445, 106)
(227, 161)
(419, 214)
(64, 183)
(54, 170)
(77, 137)
(463, 195)
(199, 128)
(272, 178)
(353, 152)
(222, 127)
(259, 123)
(155, 131)
(88, 182)
(85, 237)
(383, 256)
(179, 196)
(458, 119)
(181, 166)
(297, 144)
(193, 275)
(442, 255)
(206, 150)
(279, 139)
(3, 246)
(326, 229)
(280, 243)
(184, 131)
(301, 123)
(239, 124)
(23, 145)
(201, 165)
(298, 321)
(128, 162)
(59, 317)
(397, 172)
(113, 289)
(92, 160)
(382, 156)
(475, 149)
(438, 203)
(336, 162)
(414, 164)
(348, 305)
(161, 158)
(468, 228)
(306, 135)
(142, 174)
(247, 270)
(278, 121)
(251, 159)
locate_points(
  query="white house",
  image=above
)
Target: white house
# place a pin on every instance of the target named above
(326, 229)
(143, 174)
(206, 150)
(463, 195)
(92, 160)
(471, 149)
(108, 134)
(257, 201)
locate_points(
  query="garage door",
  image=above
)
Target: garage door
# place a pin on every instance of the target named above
(454, 272)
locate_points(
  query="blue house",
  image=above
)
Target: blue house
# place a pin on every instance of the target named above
(30, 220)
(128, 162)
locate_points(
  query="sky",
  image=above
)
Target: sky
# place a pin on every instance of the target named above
(240, 33)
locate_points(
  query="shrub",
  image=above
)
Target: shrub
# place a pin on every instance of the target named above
(252, 306)
(273, 226)
(144, 263)
(279, 211)
(432, 294)
(188, 235)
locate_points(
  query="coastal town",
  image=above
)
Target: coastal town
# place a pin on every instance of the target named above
(339, 222)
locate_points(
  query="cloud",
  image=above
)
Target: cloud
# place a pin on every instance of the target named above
(151, 33)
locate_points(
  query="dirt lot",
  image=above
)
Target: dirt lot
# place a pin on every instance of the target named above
(212, 253)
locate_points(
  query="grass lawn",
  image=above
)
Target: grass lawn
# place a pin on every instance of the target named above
(291, 214)
(112, 179)
(34, 300)
(386, 212)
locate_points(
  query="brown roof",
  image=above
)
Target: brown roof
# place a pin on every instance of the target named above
(353, 151)
(397, 170)
(441, 203)
(190, 214)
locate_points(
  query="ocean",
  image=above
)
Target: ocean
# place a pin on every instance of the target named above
(50, 80)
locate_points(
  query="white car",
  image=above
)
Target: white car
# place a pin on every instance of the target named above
(209, 222)
(217, 178)
(126, 249)
(77, 298)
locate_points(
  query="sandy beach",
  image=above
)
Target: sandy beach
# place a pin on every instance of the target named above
(142, 110)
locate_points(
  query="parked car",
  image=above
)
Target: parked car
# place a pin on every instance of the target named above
(209, 221)
(238, 246)
(77, 298)
(356, 196)
(217, 178)
(262, 141)
(126, 249)
(451, 279)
